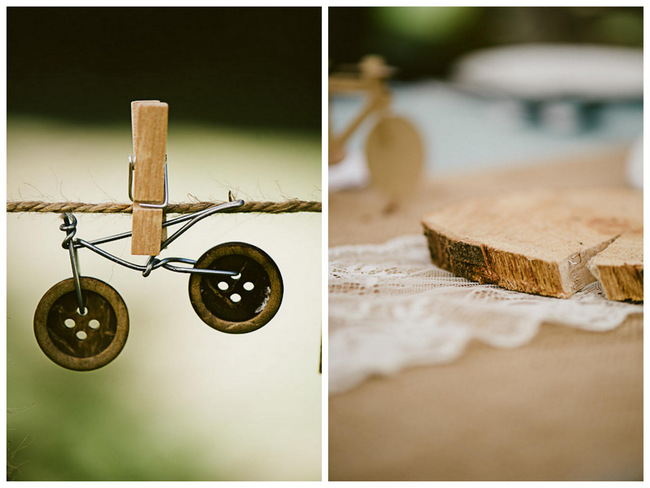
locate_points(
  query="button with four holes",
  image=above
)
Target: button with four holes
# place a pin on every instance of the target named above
(240, 303)
(81, 339)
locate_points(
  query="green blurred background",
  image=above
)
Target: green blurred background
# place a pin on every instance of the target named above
(425, 42)
(182, 401)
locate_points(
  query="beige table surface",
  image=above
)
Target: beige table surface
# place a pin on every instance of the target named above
(568, 406)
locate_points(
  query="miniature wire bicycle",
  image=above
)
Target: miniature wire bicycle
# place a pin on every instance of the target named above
(82, 323)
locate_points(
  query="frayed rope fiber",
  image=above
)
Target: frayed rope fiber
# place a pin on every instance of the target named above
(289, 206)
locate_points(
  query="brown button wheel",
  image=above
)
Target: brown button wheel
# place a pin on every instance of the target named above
(241, 303)
(79, 341)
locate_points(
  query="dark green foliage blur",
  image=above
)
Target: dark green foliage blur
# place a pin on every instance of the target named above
(230, 66)
(426, 41)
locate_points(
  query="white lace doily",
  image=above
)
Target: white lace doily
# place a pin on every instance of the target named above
(391, 308)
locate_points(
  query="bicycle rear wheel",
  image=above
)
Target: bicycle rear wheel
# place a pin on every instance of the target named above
(236, 304)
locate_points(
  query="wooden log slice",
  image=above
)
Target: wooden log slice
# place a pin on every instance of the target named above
(619, 267)
(541, 241)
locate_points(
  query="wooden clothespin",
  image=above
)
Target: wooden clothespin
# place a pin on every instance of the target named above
(148, 172)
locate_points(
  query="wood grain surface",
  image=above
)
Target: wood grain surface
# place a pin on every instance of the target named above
(542, 241)
(149, 128)
(619, 268)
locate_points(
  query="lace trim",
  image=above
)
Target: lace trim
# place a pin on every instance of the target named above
(390, 308)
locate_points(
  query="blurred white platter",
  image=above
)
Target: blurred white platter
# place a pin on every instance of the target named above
(552, 71)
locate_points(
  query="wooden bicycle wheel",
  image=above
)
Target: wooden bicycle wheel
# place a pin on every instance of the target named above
(76, 340)
(395, 156)
(241, 303)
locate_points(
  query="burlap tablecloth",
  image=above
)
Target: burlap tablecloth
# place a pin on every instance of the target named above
(568, 406)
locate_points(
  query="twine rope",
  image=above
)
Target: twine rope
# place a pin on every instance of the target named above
(289, 206)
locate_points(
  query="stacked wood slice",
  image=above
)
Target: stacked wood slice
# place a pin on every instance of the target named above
(547, 242)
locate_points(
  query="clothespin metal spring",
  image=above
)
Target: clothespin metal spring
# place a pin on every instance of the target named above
(147, 205)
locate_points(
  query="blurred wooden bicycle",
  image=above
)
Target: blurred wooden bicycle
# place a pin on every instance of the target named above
(393, 149)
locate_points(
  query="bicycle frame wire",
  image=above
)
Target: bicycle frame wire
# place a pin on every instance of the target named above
(72, 244)
(69, 226)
